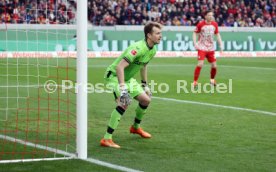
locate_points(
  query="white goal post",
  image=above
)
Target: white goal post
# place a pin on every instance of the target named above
(82, 79)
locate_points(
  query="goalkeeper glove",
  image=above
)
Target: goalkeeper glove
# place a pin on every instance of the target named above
(146, 88)
(125, 98)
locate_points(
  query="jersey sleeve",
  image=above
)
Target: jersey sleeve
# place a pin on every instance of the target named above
(198, 28)
(131, 53)
(216, 28)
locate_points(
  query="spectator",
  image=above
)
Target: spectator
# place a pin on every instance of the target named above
(268, 23)
(153, 13)
(176, 21)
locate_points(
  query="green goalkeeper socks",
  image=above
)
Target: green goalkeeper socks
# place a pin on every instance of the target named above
(140, 112)
(114, 121)
(116, 116)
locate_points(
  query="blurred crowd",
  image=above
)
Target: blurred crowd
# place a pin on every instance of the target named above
(38, 11)
(240, 13)
(243, 13)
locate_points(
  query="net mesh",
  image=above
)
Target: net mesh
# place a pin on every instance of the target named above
(37, 114)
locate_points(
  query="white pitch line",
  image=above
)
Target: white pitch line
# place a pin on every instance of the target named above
(21, 86)
(182, 65)
(27, 86)
(249, 67)
(230, 66)
(216, 105)
(105, 164)
(177, 65)
(61, 152)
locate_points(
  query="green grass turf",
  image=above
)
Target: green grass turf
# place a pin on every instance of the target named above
(186, 137)
(54, 166)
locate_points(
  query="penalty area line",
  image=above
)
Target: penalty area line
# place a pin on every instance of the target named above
(109, 165)
(216, 105)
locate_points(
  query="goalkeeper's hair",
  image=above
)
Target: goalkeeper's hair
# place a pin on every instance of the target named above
(149, 27)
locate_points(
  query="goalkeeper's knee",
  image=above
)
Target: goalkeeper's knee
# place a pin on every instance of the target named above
(145, 101)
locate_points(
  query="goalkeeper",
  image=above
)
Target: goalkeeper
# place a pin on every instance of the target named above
(120, 76)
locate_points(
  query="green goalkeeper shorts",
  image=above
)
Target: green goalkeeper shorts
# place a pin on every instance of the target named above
(133, 87)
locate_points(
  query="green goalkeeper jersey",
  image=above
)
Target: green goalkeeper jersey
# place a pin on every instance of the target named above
(137, 55)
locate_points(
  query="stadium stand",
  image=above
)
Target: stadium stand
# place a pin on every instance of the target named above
(228, 13)
(38, 11)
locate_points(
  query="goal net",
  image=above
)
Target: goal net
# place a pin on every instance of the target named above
(37, 48)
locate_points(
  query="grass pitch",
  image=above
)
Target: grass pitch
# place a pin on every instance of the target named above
(186, 137)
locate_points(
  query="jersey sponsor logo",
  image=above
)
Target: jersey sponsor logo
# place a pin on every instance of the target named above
(208, 31)
(133, 52)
